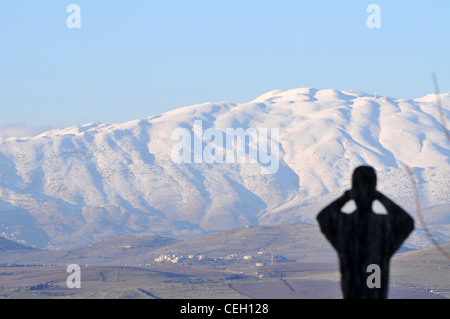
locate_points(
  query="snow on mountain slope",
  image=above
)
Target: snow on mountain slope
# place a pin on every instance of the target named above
(81, 184)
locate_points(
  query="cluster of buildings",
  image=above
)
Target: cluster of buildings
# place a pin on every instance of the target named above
(260, 258)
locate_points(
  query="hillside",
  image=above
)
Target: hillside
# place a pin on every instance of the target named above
(296, 242)
(79, 185)
(8, 246)
(119, 250)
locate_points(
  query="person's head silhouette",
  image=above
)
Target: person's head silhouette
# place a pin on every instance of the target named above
(364, 183)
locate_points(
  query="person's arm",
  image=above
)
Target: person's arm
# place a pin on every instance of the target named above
(328, 218)
(401, 222)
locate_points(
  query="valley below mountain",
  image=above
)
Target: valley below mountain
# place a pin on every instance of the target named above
(291, 261)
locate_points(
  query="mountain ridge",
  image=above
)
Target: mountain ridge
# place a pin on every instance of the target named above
(91, 182)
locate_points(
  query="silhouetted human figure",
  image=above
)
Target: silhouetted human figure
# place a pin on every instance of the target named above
(364, 238)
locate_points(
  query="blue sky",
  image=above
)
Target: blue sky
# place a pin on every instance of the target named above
(134, 59)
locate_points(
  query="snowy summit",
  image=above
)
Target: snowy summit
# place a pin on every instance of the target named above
(86, 183)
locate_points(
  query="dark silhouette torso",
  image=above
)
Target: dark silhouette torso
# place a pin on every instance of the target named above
(359, 243)
(364, 238)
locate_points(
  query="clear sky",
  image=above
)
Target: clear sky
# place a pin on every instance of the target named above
(137, 58)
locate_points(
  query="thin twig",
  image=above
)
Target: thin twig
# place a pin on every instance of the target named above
(439, 106)
(413, 181)
(419, 214)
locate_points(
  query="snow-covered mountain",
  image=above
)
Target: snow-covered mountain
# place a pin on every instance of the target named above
(81, 184)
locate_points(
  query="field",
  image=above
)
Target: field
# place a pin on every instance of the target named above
(284, 281)
(257, 262)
